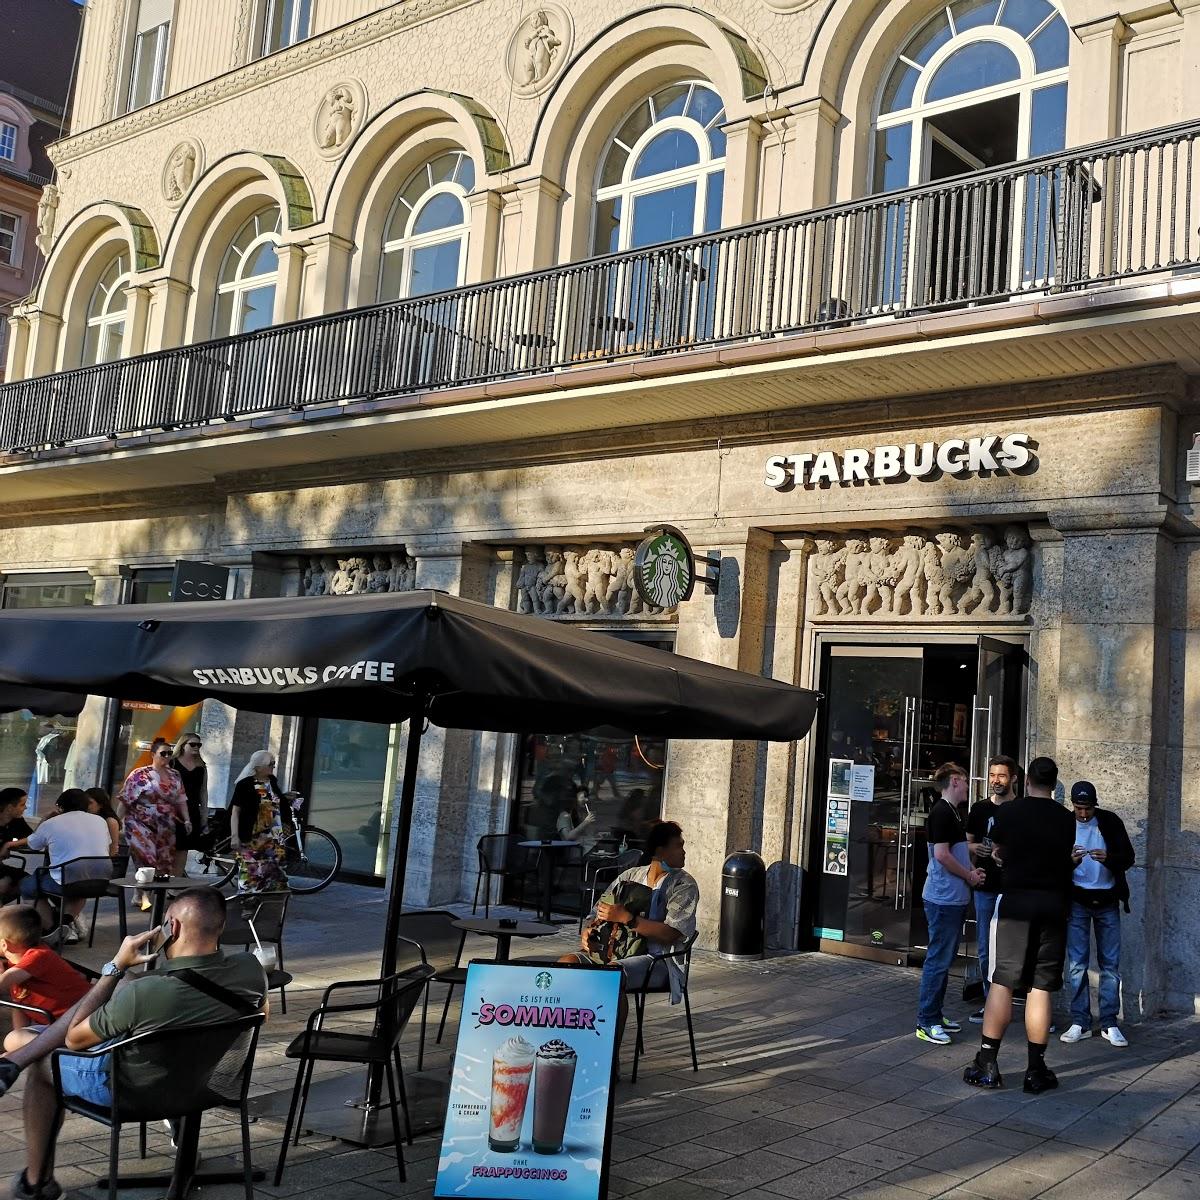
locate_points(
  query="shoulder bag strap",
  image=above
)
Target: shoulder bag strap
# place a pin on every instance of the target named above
(215, 991)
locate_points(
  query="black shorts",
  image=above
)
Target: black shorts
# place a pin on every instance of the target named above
(1028, 940)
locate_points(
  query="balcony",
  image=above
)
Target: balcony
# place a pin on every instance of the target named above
(1053, 227)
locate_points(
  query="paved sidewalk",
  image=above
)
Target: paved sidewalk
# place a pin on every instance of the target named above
(811, 1085)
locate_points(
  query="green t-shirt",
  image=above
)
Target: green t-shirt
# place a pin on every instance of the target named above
(160, 1001)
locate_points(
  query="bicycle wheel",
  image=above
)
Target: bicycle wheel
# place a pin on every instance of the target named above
(221, 865)
(320, 861)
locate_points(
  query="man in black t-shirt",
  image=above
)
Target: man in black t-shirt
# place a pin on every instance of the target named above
(1002, 778)
(13, 827)
(1032, 838)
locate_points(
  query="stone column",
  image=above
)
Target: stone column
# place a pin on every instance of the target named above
(530, 237)
(713, 789)
(1189, 55)
(800, 141)
(1113, 706)
(1095, 66)
(45, 331)
(326, 271)
(484, 237)
(287, 289)
(168, 313)
(137, 312)
(18, 348)
(452, 807)
(739, 201)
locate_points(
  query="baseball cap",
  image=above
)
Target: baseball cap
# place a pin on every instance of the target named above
(1084, 793)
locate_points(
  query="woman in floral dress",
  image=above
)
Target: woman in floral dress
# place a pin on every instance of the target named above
(153, 800)
(257, 826)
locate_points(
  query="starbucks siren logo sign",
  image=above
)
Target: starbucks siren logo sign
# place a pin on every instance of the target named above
(664, 568)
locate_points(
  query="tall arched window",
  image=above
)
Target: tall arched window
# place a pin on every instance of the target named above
(663, 174)
(104, 333)
(425, 239)
(981, 83)
(249, 272)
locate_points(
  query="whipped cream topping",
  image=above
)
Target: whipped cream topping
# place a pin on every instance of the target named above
(556, 1050)
(516, 1052)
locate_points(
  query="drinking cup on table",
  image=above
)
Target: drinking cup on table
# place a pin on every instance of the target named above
(144, 875)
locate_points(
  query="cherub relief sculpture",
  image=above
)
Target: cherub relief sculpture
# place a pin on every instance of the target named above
(328, 575)
(578, 581)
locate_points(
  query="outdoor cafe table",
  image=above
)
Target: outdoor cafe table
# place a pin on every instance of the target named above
(159, 889)
(504, 933)
(550, 849)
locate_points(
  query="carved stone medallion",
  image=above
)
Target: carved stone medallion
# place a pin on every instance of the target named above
(977, 573)
(539, 48)
(183, 167)
(339, 116)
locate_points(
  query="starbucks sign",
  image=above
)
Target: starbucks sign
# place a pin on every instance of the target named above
(664, 568)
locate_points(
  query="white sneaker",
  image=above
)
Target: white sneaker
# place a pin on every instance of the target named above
(68, 935)
(1076, 1034)
(80, 931)
(933, 1033)
(1114, 1036)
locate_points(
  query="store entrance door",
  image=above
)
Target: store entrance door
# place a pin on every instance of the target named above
(893, 715)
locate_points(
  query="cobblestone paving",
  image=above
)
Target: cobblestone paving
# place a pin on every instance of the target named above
(811, 1085)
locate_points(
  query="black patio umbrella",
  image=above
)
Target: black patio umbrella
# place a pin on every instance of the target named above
(424, 655)
(40, 702)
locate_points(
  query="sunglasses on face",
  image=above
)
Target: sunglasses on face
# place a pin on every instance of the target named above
(163, 753)
(193, 745)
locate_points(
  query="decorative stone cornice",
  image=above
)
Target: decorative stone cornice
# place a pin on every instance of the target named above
(345, 38)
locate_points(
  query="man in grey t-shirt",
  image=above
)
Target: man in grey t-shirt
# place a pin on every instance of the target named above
(946, 895)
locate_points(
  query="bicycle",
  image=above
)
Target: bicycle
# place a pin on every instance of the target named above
(313, 856)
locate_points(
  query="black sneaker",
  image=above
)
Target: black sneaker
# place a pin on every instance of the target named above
(976, 1018)
(982, 1075)
(8, 1074)
(1040, 1079)
(22, 1189)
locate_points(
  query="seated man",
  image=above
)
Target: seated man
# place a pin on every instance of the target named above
(158, 1000)
(72, 832)
(645, 913)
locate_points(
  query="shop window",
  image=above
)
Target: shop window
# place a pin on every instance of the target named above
(104, 333)
(425, 240)
(38, 754)
(148, 59)
(8, 141)
(285, 22)
(10, 225)
(249, 273)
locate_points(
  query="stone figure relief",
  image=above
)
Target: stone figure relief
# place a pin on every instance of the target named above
(341, 111)
(951, 573)
(539, 48)
(578, 581)
(181, 170)
(328, 575)
(47, 212)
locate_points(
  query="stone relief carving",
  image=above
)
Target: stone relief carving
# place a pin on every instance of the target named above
(329, 575)
(575, 581)
(182, 167)
(339, 116)
(538, 49)
(47, 211)
(986, 572)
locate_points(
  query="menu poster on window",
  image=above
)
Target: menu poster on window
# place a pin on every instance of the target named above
(530, 1107)
(837, 836)
(839, 776)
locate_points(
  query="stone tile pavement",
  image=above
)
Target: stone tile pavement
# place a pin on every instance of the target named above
(811, 1085)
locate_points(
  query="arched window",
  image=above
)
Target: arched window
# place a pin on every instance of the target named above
(425, 239)
(981, 83)
(105, 329)
(662, 176)
(246, 285)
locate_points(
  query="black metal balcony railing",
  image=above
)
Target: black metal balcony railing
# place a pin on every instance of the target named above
(1111, 211)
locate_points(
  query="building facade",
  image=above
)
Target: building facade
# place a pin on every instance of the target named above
(892, 308)
(39, 41)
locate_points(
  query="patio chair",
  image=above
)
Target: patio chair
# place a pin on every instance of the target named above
(175, 1074)
(439, 945)
(684, 956)
(120, 868)
(593, 882)
(501, 854)
(389, 1004)
(82, 878)
(268, 912)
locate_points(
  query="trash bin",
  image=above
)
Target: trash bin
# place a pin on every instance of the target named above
(743, 907)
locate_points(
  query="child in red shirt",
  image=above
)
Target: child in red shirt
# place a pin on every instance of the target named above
(33, 974)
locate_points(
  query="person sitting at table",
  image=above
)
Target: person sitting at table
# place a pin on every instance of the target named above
(257, 826)
(71, 833)
(33, 974)
(161, 999)
(99, 805)
(13, 827)
(652, 912)
(577, 823)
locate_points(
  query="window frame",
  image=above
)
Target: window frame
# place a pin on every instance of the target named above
(106, 320)
(14, 251)
(239, 285)
(16, 134)
(294, 34)
(158, 83)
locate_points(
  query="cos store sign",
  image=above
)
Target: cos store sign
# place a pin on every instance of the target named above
(958, 457)
(199, 581)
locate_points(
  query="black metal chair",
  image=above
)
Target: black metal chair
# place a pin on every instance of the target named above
(266, 913)
(592, 882)
(501, 854)
(683, 956)
(175, 1074)
(85, 878)
(120, 868)
(390, 1004)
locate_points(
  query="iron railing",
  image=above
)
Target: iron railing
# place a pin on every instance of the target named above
(1107, 212)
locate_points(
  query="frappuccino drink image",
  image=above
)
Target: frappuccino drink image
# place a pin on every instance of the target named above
(512, 1065)
(553, 1078)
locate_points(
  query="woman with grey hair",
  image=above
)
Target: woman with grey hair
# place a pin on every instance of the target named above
(256, 826)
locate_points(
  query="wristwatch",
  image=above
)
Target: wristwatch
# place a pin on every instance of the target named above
(110, 970)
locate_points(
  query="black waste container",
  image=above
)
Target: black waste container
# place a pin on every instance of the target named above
(743, 906)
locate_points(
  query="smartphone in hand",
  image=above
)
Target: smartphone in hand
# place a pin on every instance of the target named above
(168, 936)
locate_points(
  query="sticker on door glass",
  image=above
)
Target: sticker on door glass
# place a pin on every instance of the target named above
(837, 836)
(839, 777)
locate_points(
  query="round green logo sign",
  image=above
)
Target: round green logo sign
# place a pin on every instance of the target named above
(664, 569)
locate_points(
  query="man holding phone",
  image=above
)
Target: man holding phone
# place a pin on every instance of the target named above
(1102, 854)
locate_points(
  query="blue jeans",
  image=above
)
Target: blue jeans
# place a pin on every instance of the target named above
(985, 907)
(1108, 958)
(87, 1078)
(945, 928)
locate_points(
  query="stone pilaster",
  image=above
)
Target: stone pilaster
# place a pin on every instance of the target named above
(44, 338)
(739, 200)
(17, 347)
(1095, 65)
(168, 313)
(713, 788)
(326, 271)
(528, 238)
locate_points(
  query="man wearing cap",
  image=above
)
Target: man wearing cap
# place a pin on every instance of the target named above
(1102, 855)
